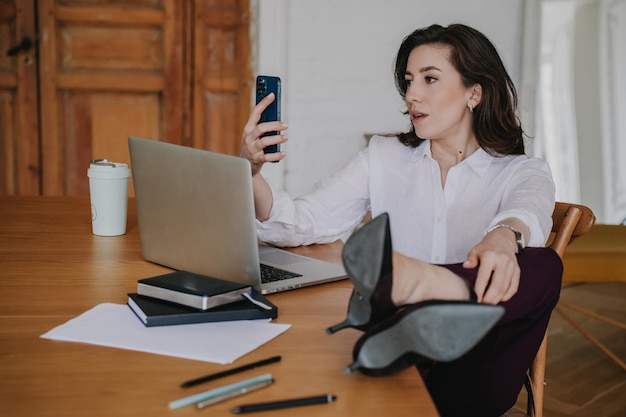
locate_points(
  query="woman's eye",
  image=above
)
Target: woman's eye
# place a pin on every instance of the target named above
(408, 82)
(430, 80)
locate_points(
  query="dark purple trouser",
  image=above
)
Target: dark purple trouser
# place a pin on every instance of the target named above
(486, 381)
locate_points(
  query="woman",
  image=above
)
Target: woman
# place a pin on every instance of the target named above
(462, 202)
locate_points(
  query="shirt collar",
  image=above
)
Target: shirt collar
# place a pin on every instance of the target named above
(422, 151)
(479, 161)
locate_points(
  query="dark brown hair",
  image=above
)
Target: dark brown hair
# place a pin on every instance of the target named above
(496, 125)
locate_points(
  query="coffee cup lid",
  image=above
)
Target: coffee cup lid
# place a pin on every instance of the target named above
(103, 168)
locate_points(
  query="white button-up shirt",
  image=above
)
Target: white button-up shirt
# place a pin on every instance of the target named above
(429, 222)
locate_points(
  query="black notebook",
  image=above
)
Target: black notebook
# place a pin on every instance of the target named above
(192, 290)
(154, 312)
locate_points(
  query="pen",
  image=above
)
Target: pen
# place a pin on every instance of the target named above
(234, 393)
(233, 371)
(297, 402)
(218, 392)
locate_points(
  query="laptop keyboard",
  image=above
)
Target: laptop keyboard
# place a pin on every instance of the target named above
(272, 274)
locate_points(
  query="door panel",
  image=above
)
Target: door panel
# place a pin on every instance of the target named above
(108, 70)
(88, 132)
(19, 129)
(222, 74)
(129, 49)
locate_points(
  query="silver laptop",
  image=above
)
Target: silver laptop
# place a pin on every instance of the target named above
(196, 213)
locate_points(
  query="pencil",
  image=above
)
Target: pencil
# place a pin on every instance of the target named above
(228, 372)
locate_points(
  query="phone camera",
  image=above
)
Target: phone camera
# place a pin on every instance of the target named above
(261, 87)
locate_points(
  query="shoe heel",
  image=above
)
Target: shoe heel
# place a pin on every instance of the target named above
(350, 369)
(339, 326)
(359, 312)
(432, 330)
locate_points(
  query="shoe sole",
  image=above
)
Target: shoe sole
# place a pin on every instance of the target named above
(359, 251)
(443, 331)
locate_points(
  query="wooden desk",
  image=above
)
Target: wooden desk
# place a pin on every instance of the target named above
(52, 269)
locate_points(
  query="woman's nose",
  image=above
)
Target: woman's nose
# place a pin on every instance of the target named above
(413, 93)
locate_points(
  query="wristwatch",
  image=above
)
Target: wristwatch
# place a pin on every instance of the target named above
(519, 238)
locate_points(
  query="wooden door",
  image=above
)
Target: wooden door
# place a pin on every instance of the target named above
(169, 70)
(19, 128)
(108, 70)
(222, 77)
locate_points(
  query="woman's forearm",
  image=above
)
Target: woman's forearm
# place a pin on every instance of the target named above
(262, 197)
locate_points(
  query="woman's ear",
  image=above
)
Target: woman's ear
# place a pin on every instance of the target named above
(476, 95)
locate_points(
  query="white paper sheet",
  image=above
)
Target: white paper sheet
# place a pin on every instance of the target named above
(115, 325)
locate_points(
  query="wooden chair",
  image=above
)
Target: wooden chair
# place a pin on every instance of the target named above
(569, 221)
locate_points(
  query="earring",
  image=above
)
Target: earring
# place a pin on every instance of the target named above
(470, 107)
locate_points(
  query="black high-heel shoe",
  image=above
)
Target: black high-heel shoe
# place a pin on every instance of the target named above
(367, 259)
(433, 330)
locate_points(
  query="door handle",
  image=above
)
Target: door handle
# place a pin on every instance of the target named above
(25, 45)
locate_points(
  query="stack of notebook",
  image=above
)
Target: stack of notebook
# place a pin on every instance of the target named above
(183, 298)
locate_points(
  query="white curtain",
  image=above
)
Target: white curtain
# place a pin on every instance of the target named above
(556, 134)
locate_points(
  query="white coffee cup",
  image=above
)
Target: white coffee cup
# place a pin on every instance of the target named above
(108, 191)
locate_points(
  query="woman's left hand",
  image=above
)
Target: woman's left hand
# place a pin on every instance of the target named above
(498, 270)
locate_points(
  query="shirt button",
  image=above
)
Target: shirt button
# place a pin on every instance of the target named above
(437, 259)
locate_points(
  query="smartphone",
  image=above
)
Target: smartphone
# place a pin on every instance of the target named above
(265, 85)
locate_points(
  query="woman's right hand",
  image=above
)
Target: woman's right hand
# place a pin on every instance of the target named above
(252, 143)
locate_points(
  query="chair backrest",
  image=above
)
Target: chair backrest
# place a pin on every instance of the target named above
(569, 221)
